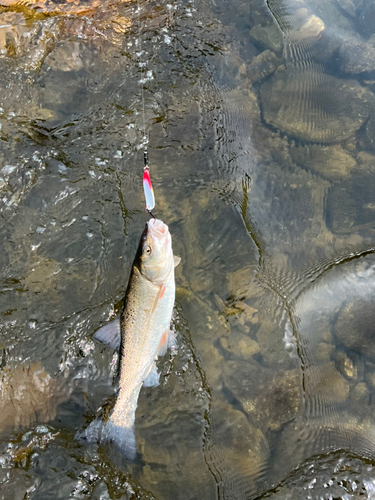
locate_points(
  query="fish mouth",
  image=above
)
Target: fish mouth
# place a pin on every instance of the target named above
(158, 227)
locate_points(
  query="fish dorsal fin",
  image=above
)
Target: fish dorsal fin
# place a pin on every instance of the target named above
(176, 260)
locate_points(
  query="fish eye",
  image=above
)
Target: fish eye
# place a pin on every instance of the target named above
(147, 250)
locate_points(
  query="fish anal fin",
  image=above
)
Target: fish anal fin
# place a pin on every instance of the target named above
(109, 334)
(152, 378)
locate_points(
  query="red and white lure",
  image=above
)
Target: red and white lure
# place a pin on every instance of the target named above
(147, 186)
(149, 192)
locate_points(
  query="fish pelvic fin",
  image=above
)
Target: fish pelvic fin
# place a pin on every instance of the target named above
(163, 344)
(168, 339)
(159, 295)
(123, 438)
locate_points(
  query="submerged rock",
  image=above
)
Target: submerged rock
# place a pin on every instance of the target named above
(369, 136)
(346, 366)
(66, 56)
(350, 205)
(357, 56)
(239, 345)
(270, 399)
(359, 392)
(52, 7)
(324, 385)
(170, 425)
(262, 65)
(269, 37)
(366, 18)
(315, 107)
(309, 27)
(28, 394)
(336, 475)
(330, 162)
(355, 327)
(351, 7)
(240, 450)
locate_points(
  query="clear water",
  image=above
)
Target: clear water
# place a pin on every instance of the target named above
(260, 118)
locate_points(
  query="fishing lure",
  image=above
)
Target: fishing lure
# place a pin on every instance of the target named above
(147, 186)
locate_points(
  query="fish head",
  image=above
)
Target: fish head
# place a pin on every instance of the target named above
(155, 252)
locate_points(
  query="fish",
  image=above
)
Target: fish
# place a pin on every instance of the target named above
(143, 333)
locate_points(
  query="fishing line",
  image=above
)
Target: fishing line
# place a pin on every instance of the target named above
(147, 186)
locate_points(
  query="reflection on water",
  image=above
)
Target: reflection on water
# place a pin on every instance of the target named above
(260, 118)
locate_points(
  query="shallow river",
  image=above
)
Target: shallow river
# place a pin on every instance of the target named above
(260, 122)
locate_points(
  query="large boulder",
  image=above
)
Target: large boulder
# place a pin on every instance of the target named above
(355, 327)
(357, 56)
(315, 107)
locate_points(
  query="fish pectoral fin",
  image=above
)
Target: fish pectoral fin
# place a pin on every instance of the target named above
(176, 260)
(152, 378)
(158, 297)
(110, 334)
(163, 344)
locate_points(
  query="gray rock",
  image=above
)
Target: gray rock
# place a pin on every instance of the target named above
(269, 37)
(314, 106)
(65, 56)
(330, 162)
(263, 65)
(19, 483)
(360, 392)
(270, 399)
(366, 19)
(355, 327)
(239, 447)
(357, 56)
(322, 475)
(324, 383)
(370, 379)
(170, 425)
(351, 7)
(350, 205)
(239, 345)
(369, 136)
(346, 366)
(28, 393)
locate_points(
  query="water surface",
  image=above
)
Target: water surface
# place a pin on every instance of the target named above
(259, 118)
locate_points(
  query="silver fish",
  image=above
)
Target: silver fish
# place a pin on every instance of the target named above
(143, 331)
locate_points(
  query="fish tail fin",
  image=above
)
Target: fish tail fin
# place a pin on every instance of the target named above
(122, 437)
(93, 433)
